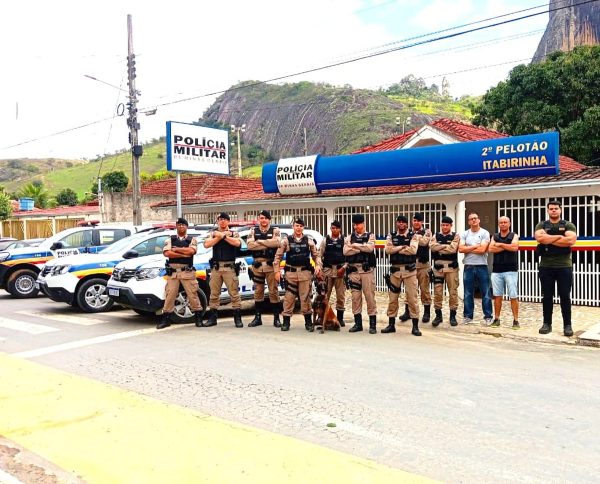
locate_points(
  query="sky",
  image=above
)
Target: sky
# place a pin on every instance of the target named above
(190, 49)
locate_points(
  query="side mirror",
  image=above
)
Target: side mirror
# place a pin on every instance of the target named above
(56, 246)
(131, 254)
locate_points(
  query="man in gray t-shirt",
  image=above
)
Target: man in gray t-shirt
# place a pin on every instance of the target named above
(474, 244)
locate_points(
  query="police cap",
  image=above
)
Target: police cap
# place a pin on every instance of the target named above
(358, 218)
(299, 221)
(401, 218)
(182, 221)
(336, 223)
(265, 213)
(224, 215)
(418, 216)
(447, 220)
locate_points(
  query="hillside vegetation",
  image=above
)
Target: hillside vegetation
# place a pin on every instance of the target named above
(337, 120)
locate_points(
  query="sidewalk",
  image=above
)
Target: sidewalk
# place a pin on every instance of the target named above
(586, 322)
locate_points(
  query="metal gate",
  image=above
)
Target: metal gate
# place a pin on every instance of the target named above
(584, 212)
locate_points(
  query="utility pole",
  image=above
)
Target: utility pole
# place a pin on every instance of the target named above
(239, 130)
(134, 126)
(306, 145)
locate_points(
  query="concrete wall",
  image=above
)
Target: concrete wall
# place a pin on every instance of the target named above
(118, 207)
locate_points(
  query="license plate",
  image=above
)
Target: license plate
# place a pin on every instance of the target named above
(113, 292)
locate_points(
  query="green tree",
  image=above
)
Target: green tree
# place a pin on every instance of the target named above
(36, 191)
(114, 181)
(66, 197)
(562, 94)
(5, 206)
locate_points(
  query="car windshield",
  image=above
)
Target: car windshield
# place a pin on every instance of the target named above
(124, 244)
(5, 243)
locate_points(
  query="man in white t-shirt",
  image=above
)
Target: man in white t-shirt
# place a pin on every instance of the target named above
(474, 244)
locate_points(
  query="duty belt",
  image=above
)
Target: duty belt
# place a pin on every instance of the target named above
(440, 264)
(331, 266)
(296, 269)
(182, 269)
(407, 267)
(259, 263)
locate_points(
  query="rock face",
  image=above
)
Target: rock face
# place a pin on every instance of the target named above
(569, 27)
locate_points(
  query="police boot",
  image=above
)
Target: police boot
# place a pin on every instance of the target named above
(406, 315)
(426, 313)
(277, 307)
(453, 321)
(164, 321)
(438, 318)
(568, 330)
(357, 323)
(415, 331)
(372, 324)
(198, 318)
(391, 327)
(545, 329)
(286, 323)
(340, 317)
(237, 318)
(308, 325)
(258, 308)
(212, 319)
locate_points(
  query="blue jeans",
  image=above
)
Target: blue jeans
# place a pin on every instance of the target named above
(470, 275)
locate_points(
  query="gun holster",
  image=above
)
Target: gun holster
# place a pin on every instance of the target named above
(213, 264)
(256, 264)
(237, 267)
(391, 287)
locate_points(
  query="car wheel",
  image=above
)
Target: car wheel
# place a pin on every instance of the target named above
(21, 284)
(182, 312)
(147, 314)
(92, 296)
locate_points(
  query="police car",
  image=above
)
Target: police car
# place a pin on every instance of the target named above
(20, 267)
(140, 284)
(80, 280)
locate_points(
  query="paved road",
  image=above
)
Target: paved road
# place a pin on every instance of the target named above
(457, 408)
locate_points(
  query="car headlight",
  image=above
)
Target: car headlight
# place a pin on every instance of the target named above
(58, 270)
(150, 273)
(4, 256)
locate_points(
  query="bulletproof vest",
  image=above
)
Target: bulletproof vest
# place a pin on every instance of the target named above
(299, 252)
(402, 240)
(224, 252)
(552, 229)
(445, 240)
(176, 242)
(264, 252)
(361, 257)
(423, 250)
(505, 261)
(334, 254)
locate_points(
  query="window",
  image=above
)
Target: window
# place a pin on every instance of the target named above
(77, 239)
(108, 236)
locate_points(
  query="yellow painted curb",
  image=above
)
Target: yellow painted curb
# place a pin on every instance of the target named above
(107, 435)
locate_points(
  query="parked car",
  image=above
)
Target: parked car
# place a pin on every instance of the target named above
(19, 268)
(140, 284)
(80, 280)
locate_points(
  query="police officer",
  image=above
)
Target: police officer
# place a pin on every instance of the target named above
(334, 267)
(225, 244)
(359, 249)
(423, 267)
(179, 250)
(444, 252)
(556, 237)
(298, 248)
(402, 247)
(264, 241)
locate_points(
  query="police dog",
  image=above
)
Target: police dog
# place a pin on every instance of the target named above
(323, 316)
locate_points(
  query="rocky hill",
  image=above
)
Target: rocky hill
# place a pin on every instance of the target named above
(337, 119)
(569, 28)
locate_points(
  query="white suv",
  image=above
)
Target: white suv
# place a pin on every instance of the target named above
(19, 268)
(80, 280)
(140, 283)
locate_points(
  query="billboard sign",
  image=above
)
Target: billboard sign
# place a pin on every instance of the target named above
(197, 148)
(517, 156)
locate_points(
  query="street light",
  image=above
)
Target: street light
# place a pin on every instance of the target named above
(404, 123)
(238, 130)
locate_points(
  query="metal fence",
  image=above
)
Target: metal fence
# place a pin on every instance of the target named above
(314, 218)
(584, 212)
